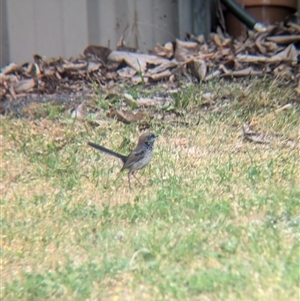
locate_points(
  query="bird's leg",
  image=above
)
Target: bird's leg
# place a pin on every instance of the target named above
(129, 179)
(137, 179)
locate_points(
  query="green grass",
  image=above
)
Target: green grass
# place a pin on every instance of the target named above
(217, 219)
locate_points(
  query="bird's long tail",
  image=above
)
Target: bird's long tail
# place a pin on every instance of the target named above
(107, 151)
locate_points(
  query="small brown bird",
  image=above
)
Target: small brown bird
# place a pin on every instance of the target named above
(138, 158)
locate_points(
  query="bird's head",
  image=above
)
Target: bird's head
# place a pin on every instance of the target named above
(147, 138)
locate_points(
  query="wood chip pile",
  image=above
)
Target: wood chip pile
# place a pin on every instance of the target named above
(275, 52)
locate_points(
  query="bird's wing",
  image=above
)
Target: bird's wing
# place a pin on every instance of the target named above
(134, 157)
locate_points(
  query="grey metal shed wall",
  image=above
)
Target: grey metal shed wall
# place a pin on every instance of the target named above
(51, 28)
(65, 27)
(147, 22)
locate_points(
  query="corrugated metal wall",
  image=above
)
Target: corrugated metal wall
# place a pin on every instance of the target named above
(65, 27)
(147, 22)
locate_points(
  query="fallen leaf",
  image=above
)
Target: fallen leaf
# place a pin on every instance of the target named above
(151, 102)
(250, 135)
(79, 112)
(97, 53)
(164, 51)
(127, 116)
(185, 50)
(23, 85)
(126, 72)
(74, 66)
(198, 68)
(137, 61)
(10, 68)
(284, 39)
(161, 75)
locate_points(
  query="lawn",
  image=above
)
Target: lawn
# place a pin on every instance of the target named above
(217, 218)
